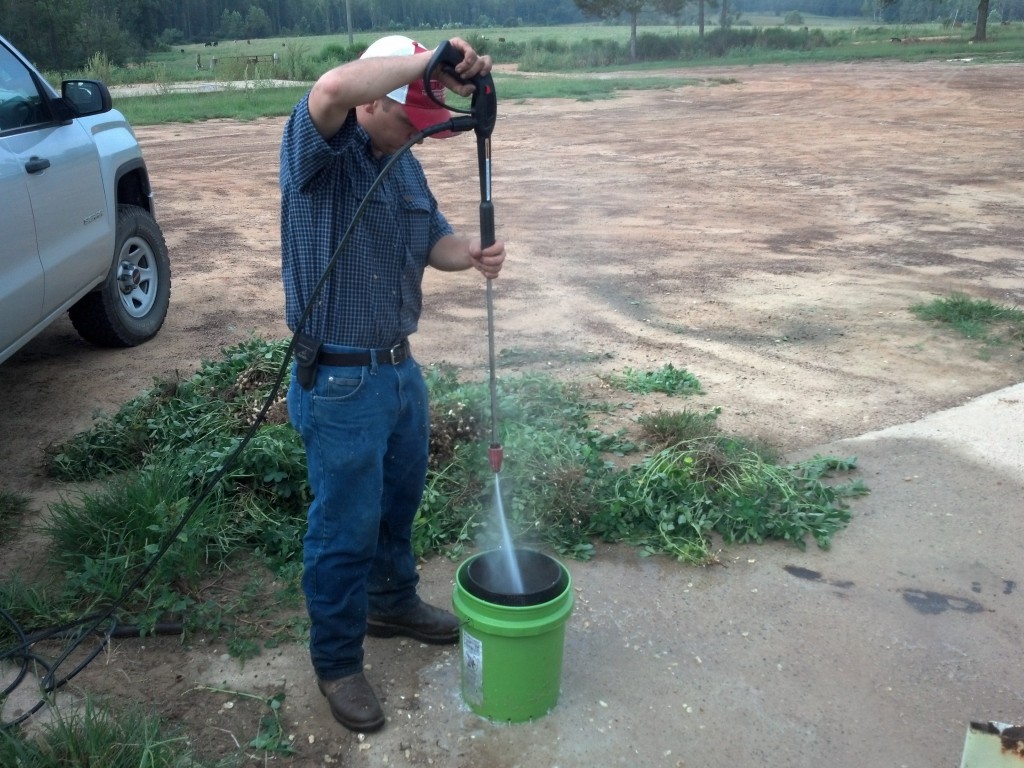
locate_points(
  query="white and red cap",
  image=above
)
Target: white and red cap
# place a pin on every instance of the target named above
(423, 112)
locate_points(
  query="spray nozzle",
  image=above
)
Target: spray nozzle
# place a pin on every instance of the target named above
(495, 455)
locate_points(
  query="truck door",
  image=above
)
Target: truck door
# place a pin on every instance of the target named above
(60, 169)
(21, 271)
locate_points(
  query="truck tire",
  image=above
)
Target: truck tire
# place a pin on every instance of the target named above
(131, 305)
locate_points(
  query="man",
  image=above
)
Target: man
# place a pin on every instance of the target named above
(357, 396)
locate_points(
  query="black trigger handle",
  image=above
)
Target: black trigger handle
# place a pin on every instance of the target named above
(446, 56)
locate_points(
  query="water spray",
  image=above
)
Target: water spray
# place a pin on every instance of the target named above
(512, 604)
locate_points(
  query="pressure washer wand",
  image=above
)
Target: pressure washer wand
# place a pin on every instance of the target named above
(496, 453)
(484, 111)
(484, 106)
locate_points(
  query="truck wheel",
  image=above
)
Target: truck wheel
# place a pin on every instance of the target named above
(131, 305)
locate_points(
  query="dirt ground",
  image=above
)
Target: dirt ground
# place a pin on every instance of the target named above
(766, 228)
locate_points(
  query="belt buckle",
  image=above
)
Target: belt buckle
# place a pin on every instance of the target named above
(395, 353)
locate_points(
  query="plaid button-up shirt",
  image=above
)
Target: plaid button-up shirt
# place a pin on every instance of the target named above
(374, 295)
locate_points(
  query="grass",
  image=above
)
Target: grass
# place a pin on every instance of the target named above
(232, 103)
(559, 478)
(978, 319)
(12, 509)
(265, 101)
(665, 428)
(96, 736)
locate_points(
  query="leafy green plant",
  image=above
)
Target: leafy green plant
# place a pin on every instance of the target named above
(271, 736)
(178, 418)
(674, 501)
(549, 454)
(704, 482)
(667, 379)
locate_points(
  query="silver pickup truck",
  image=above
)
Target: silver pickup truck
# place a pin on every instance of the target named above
(77, 228)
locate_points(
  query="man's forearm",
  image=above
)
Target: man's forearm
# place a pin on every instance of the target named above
(451, 254)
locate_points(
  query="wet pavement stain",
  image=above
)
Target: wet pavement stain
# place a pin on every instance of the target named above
(802, 573)
(933, 603)
(809, 575)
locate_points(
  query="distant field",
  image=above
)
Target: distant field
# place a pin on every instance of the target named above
(431, 37)
(180, 61)
(184, 56)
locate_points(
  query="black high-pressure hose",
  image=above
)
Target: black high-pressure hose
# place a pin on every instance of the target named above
(479, 118)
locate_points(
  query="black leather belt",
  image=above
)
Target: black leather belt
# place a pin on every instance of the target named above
(392, 356)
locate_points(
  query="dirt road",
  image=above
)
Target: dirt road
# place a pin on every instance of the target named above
(767, 230)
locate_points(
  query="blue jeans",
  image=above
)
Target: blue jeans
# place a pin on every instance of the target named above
(366, 432)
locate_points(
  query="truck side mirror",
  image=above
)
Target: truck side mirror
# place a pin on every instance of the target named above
(86, 97)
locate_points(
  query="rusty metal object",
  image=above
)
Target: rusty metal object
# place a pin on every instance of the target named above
(993, 745)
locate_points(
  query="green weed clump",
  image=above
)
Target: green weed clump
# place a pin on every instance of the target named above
(668, 379)
(675, 501)
(701, 483)
(978, 319)
(195, 418)
(12, 507)
(97, 737)
(563, 485)
(559, 484)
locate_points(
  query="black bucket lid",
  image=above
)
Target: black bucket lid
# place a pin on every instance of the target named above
(487, 577)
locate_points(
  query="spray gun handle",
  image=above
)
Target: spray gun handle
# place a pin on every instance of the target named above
(484, 102)
(484, 105)
(446, 56)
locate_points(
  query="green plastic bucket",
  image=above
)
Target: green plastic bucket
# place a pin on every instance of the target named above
(512, 641)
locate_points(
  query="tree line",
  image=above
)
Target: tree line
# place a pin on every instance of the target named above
(61, 35)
